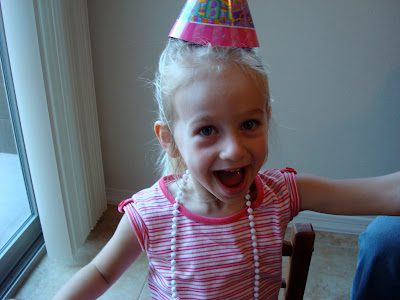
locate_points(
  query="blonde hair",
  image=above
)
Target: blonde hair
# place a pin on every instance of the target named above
(182, 63)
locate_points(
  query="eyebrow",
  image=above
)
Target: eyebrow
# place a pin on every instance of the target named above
(205, 118)
(199, 120)
(257, 111)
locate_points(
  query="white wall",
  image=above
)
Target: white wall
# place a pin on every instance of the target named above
(335, 77)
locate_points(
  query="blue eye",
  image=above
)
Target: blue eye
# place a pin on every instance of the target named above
(207, 131)
(249, 125)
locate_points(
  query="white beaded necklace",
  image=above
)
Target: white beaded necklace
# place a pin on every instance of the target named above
(174, 228)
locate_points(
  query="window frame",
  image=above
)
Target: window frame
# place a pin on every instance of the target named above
(20, 253)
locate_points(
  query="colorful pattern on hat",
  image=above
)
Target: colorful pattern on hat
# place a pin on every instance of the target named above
(225, 23)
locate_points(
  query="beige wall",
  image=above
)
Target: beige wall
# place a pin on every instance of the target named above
(335, 77)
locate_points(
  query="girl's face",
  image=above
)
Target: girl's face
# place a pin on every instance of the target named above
(221, 124)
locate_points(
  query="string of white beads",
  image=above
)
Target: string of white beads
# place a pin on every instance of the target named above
(174, 228)
(254, 243)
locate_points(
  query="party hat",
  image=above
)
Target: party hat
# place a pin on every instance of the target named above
(225, 23)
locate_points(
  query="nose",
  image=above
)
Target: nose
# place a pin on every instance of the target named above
(233, 148)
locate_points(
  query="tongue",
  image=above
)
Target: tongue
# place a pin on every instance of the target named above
(230, 179)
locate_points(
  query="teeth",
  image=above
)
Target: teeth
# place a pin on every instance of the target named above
(231, 170)
(231, 177)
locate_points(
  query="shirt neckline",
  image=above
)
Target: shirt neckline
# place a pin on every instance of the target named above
(209, 220)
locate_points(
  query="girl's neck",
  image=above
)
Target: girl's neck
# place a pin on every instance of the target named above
(203, 203)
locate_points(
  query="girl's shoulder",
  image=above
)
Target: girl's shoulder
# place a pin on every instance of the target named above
(280, 185)
(153, 197)
(271, 177)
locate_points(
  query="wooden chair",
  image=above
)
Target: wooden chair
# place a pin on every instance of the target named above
(298, 250)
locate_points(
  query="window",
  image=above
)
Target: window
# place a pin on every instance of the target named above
(21, 237)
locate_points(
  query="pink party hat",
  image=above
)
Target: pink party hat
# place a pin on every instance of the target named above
(226, 23)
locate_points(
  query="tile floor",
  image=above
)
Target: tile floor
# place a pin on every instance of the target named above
(332, 267)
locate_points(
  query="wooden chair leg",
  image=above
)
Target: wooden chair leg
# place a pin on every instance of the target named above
(302, 245)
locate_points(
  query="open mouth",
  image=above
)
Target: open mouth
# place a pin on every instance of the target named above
(231, 178)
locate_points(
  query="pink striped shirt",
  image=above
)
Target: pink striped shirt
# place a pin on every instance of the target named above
(215, 255)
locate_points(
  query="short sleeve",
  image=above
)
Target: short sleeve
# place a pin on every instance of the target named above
(290, 178)
(138, 225)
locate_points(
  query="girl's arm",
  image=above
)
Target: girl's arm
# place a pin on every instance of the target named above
(112, 261)
(369, 196)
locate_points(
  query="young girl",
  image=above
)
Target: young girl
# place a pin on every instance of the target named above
(216, 231)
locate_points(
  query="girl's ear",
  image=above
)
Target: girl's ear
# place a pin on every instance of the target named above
(166, 139)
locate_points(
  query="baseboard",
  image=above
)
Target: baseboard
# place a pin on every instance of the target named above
(333, 223)
(115, 196)
(322, 222)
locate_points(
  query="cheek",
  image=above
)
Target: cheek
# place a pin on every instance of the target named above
(261, 149)
(200, 157)
(200, 163)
